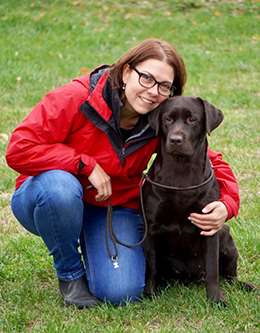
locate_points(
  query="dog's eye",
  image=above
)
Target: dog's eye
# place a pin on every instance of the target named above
(168, 120)
(191, 119)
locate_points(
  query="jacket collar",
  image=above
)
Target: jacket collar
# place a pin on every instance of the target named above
(103, 108)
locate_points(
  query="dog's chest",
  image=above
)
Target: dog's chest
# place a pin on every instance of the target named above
(168, 218)
(182, 243)
(178, 203)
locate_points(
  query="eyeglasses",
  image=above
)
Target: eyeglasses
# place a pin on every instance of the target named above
(165, 88)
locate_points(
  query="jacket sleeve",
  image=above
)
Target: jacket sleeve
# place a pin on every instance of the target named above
(39, 144)
(229, 191)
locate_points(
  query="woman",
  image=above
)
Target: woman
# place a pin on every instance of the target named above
(94, 132)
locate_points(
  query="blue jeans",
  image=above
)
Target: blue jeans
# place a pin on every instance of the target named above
(50, 206)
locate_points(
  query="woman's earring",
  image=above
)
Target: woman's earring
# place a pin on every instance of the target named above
(123, 87)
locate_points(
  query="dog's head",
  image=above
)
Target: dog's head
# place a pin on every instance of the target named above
(183, 121)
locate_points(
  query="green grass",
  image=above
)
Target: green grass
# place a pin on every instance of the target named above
(45, 44)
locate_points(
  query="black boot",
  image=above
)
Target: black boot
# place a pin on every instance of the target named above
(76, 292)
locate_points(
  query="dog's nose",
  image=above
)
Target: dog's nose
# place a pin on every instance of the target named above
(176, 139)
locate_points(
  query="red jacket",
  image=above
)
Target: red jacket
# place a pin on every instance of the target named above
(65, 131)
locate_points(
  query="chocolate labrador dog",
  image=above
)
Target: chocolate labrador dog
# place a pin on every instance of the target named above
(181, 181)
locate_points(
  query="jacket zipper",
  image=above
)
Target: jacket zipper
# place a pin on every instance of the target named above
(123, 153)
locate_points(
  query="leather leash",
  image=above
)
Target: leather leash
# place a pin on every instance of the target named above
(145, 176)
(110, 230)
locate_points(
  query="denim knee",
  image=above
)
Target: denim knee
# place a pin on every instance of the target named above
(125, 284)
(61, 187)
(53, 190)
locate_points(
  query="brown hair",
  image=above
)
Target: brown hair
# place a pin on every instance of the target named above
(150, 49)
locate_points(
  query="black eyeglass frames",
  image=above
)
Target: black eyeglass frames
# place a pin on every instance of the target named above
(165, 88)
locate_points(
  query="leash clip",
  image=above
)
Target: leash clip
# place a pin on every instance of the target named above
(115, 261)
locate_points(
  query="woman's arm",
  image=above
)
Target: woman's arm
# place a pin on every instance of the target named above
(37, 144)
(229, 190)
(216, 213)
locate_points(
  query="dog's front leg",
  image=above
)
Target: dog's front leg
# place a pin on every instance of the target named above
(211, 260)
(151, 271)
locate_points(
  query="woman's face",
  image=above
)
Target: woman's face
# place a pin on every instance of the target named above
(143, 100)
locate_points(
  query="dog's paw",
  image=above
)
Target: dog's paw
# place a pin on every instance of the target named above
(149, 288)
(247, 286)
(233, 281)
(217, 297)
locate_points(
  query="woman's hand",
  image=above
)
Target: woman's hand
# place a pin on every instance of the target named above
(213, 217)
(101, 181)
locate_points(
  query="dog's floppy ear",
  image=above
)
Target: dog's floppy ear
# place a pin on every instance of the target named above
(213, 115)
(154, 119)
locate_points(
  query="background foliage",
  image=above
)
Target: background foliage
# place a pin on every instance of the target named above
(45, 44)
